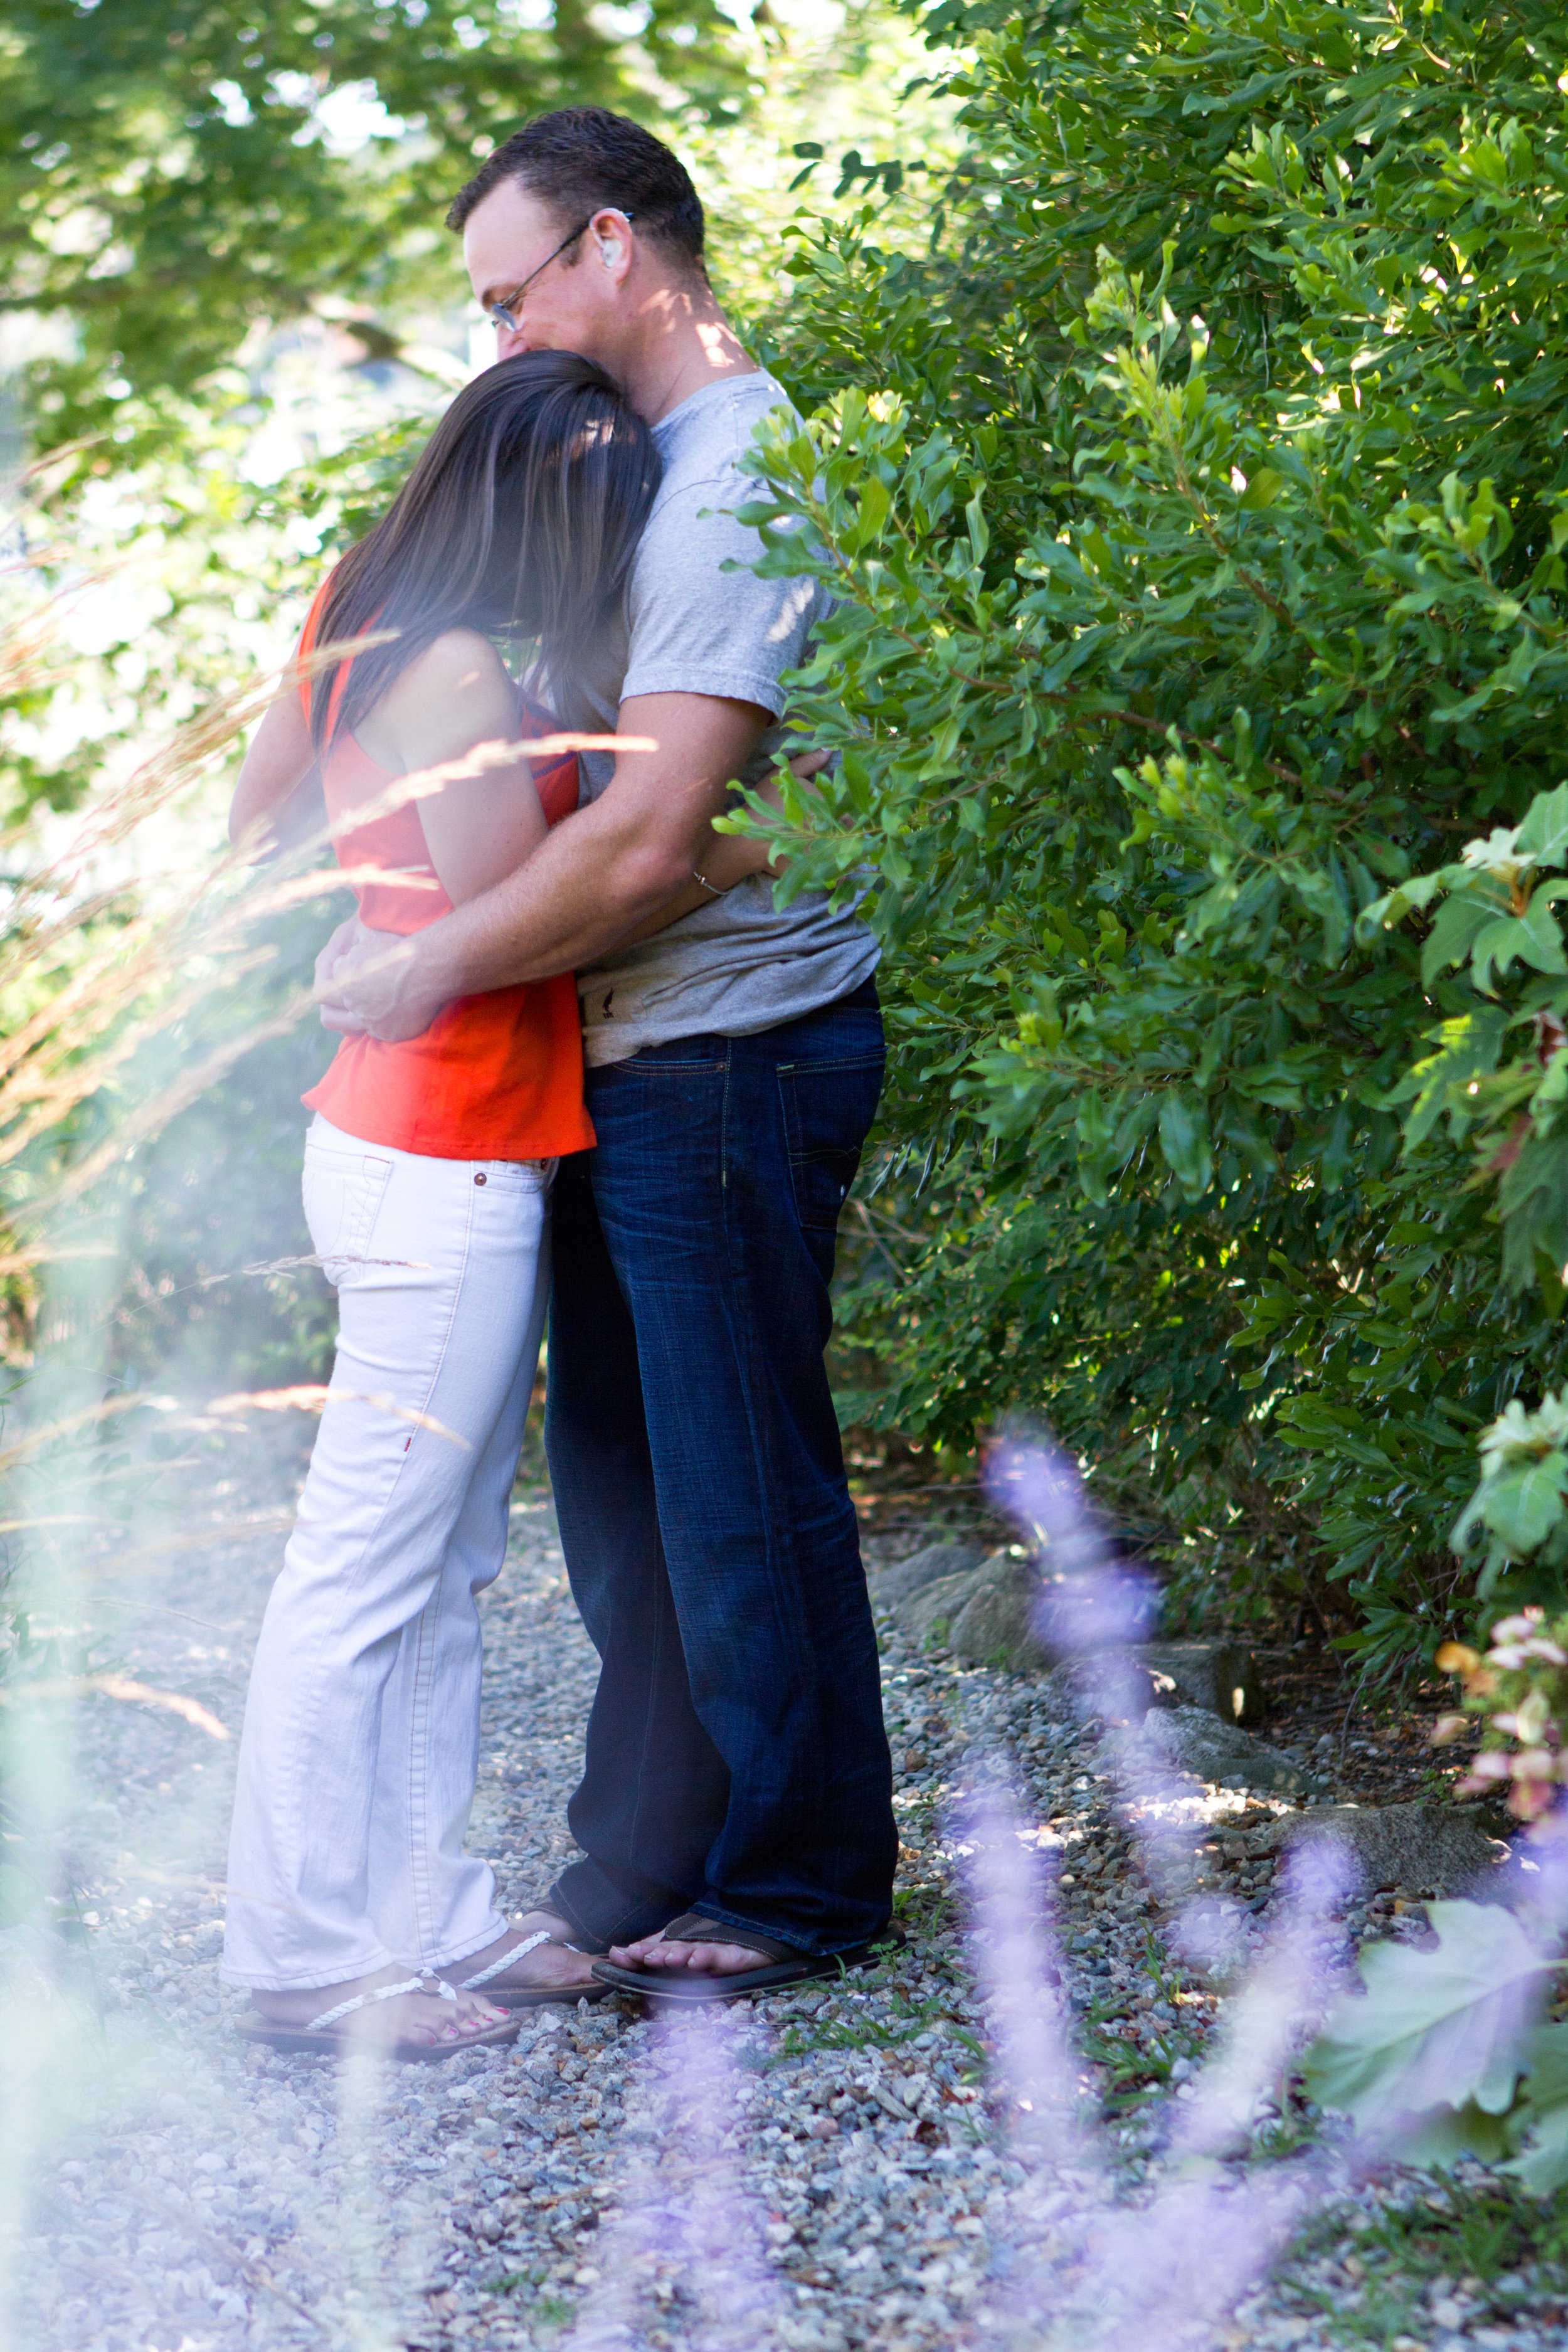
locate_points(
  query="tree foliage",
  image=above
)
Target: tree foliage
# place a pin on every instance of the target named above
(1195, 510)
(172, 174)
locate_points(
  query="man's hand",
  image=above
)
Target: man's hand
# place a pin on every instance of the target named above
(368, 985)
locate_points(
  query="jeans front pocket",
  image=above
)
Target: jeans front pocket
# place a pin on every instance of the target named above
(828, 1108)
(342, 1191)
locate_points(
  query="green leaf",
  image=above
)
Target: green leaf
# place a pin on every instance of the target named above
(1262, 488)
(1454, 931)
(876, 505)
(1468, 1051)
(1545, 832)
(1522, 1507)
(1533, 937)
(1442, 2135)
(1184, 1140)
(1541, 2119)
(1437, 2028)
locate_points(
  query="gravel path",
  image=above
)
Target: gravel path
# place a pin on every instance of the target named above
(816, 2172)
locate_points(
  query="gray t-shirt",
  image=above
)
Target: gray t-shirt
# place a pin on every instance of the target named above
(689, 627)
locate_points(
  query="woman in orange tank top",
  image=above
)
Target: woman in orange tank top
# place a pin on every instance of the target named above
(354, 1914)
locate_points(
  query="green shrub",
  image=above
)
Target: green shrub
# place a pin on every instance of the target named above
(1198, 555)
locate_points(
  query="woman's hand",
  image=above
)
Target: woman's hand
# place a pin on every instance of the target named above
(377, 983)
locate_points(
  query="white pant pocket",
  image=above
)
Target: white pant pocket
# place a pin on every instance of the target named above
(342, 1194)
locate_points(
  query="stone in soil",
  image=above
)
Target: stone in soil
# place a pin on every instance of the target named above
(1430, 1849)
(1220, 1678)
(888, 1586)
(995, 1624)
(1187, 1740)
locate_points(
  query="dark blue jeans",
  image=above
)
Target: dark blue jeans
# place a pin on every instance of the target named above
(736, 1761)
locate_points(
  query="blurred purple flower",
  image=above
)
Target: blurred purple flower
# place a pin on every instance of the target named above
(1091, 1600)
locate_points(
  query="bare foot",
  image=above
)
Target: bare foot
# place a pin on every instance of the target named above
(421, 2017)
(706, 1959)
(548, 1964)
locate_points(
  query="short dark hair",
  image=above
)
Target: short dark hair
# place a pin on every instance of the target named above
(582, 158)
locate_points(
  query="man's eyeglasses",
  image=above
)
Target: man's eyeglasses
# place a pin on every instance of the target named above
(506, 317)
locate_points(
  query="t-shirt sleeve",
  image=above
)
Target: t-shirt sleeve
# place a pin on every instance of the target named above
(696, 628)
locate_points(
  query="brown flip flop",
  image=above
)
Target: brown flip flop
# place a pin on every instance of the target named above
(318, 2042)
(525, 1996)
(783, 1965)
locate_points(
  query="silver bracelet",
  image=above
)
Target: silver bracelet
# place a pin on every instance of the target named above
(705, 882)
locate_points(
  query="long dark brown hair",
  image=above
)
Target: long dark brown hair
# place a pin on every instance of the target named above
(520, 519)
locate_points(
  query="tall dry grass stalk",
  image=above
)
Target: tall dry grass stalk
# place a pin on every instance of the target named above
(137, 930)
(145, 950)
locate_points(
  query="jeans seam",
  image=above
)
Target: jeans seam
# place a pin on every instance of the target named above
(760, 1466)
(418, 1778)
(814, 1064)
(669, 1620)
(642, 1759)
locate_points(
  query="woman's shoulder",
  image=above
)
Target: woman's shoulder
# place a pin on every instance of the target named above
(459, 661)
(455, 692)
(459, 682)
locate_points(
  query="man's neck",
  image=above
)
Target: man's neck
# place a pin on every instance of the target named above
(686, 345)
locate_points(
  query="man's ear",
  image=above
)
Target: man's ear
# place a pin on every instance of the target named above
(614, 238)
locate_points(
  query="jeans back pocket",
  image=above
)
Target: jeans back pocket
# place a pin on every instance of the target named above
(342, 1194)
(828, 1108)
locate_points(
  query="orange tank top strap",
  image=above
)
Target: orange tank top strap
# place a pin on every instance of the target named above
(308, 637)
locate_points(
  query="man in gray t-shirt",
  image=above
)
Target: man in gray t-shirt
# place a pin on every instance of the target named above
(739, 964)
(735, 1814)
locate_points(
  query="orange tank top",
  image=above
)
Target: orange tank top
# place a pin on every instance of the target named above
(496, 1077)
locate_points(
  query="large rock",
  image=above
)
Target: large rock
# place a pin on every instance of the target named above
(888, 1586)
(927, 1614)
(1110, 1683)
(1430, 1849)
(1186, 1739)
(995, 1625)
(986, 1612)
(1219, 1678)
(982, 1617)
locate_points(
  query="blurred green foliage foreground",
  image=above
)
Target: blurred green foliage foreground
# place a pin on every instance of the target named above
(1195, 506)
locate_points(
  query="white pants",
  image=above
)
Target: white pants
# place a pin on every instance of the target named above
(360, 1752)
